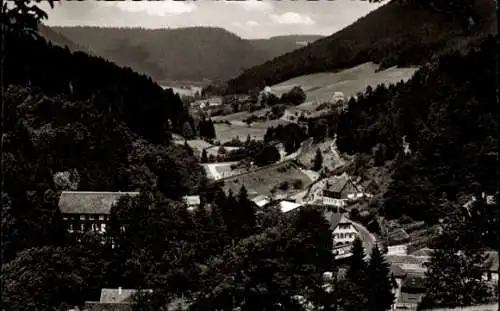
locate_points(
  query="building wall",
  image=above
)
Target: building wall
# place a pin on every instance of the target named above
(333, 202)
(344, 235)
(85, 222)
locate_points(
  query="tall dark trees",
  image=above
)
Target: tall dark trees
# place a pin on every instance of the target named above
(378, 283)
(318, 161)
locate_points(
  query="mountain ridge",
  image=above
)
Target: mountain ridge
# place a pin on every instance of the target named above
(382, 36)
(190, 53)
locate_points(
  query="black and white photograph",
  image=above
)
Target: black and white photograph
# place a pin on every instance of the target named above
(250, 155)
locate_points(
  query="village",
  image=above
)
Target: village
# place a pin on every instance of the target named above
(337, 195)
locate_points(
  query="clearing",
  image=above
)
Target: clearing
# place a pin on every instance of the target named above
(321, 86)
(239, 130)
(261, 181)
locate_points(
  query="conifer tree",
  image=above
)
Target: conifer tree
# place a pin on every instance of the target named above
(204, 157)
(318, 160)
(246, 212)
(378, 283)
(357, 264)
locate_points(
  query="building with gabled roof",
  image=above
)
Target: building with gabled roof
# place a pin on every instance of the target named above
(338, 191)
(113, 299)
(344, 232)
(88, 210)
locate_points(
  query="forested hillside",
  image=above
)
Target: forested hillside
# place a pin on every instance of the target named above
(191, 53)
(397, 33)
(448, 114)
(73, 121)
(280, 45)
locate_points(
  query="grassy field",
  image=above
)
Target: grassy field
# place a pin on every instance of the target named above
(256, 131)
(240, 116)
(321, 86)
(262, 181)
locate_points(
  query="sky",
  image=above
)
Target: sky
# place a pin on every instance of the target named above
(248, 19)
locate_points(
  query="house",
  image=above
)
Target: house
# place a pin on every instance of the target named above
(88, 210)
(413, 289)
(113, 299)
(409, 263)
(192, 201)
(397, 275)
(398, 236)
(342, 228)
(338, 191)
(344, 232)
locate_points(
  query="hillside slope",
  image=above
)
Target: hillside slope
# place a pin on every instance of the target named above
(279, 45)
(395, 34)
(191, 53)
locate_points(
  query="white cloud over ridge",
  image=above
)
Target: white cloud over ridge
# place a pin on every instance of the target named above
(157, 8)
(291, 18)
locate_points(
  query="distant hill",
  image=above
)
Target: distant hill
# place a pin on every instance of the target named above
(279, 45)
(395, 34)
(190, 54)
(59, 40)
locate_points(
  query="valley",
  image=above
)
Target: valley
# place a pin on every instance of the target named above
(166, 167)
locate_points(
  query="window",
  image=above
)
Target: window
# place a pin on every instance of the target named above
(65, 218)
(82, 217)
(91, 217)
(103, 227)
(341, 235)
(101, 217)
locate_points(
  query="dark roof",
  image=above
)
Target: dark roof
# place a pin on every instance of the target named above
(338, 184)
(89, 202)
(397, 271)
(334, 219)
(398, 235)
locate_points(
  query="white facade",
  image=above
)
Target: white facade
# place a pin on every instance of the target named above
(332, 202)
(344, 233)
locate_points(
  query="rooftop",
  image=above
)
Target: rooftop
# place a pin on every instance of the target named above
(423, 252)
(287, 206)
(118, 295)
(90, 202)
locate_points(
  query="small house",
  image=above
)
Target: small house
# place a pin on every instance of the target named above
(338, 191)
(88, 210)
(114, 299)
(413, 289)
(192, 201)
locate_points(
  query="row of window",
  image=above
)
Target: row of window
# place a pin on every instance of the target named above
(89, 217)
(86, 227)
(344, 235)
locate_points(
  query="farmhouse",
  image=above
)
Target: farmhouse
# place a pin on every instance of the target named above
(113, 299)
(87, 210)
(338, 191)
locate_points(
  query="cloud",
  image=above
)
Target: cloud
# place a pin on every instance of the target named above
(252, 23)
(158, 8)
(256, 5)
(292, 18)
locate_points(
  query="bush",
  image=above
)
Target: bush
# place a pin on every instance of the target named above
(283, 186)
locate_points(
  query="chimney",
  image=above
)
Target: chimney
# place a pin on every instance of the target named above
(119, 291)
